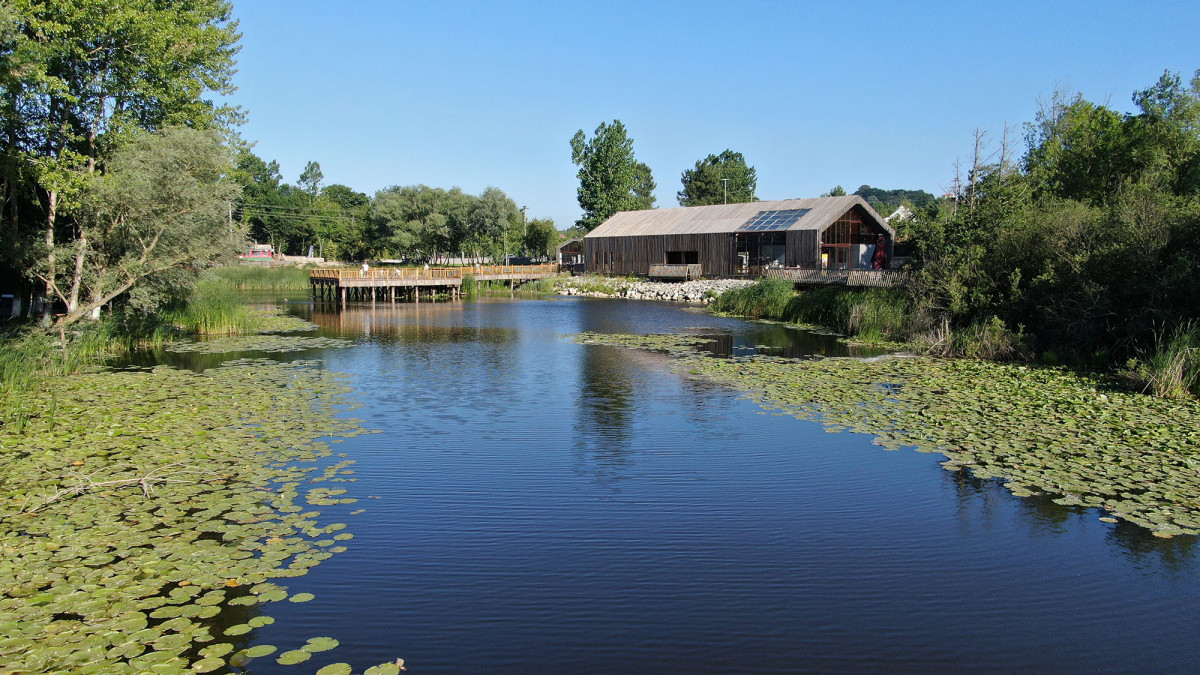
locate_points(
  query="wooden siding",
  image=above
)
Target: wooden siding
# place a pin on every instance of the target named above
(634, 255)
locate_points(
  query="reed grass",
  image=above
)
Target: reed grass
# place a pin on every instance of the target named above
(1172, 370)
(262, 278)
(215, 308)
(869, 315)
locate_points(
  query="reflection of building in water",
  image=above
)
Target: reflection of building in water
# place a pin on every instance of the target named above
(428, 322)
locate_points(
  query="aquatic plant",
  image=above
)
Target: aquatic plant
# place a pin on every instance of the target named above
(258, 343)
(146, 517)
(1039, 429)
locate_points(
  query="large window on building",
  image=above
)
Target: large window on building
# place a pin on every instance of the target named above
(839, 237)
(757, 251)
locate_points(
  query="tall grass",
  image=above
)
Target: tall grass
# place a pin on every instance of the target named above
(870, 315)
(1173, 369)
(214, 308)
(767, 299)
(261, 278)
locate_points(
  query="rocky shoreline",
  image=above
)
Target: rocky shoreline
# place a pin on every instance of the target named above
(702, 291)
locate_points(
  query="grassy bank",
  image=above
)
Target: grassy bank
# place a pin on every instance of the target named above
(30, 354)
(1171, 369)
(1042, 430)
(260, 278)
(869, 315)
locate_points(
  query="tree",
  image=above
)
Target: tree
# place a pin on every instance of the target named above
(78, 77)
(541, 237)
(610, 177)
(161, 209)
(495, 223)
(310, 179)
(643, 187)
(1077, 150)
(718, 179)
(837, 191)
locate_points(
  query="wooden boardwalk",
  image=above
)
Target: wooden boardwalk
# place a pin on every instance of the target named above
(410, 283)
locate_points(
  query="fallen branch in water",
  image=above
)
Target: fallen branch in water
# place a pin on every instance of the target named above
(146, 482)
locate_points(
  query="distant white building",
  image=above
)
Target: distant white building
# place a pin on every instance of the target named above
(901, 214)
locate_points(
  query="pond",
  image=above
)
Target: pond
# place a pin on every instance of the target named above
(537, 505)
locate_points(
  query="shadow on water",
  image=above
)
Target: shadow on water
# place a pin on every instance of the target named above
(981, 500)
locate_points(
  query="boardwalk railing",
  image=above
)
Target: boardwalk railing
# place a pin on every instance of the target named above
(433, 273)
(874, 278)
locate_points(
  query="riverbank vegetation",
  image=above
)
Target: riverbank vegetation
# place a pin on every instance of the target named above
(263, 278)
(1082, 438)
(1086, 251)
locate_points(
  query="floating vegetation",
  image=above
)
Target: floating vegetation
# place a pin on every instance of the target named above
(273, 321)
(1042, 430)
(258, 343)
(148, 519)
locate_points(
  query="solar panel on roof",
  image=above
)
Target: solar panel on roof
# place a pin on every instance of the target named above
(767, 221)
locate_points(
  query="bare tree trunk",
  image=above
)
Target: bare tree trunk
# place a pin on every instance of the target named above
(77, 278)
(51, 214)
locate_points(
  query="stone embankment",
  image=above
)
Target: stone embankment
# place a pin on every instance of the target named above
(701, 291)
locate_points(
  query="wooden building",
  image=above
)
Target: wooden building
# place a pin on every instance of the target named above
(727, 240)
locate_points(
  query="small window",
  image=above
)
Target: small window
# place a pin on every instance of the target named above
(683, 257)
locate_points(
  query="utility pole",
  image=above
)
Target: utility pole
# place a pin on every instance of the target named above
(524, 231)
(725, 185)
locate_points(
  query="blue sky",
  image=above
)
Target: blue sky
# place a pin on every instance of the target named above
(813, 94)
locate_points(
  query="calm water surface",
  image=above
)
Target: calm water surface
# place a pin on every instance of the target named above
(535, 505)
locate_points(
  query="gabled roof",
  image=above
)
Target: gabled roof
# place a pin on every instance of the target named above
(820, 213)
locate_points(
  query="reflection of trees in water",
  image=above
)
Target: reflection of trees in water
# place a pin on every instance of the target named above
(606, 393)
(1047, 517)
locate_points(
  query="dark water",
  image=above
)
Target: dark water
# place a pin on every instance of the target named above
(536, 505)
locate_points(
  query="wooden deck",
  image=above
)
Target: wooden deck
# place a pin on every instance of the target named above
(686, 272)
(410, 283)
(866, 278)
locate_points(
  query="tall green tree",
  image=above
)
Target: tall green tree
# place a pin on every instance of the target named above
(79, 76)
(160, 213)
(718, 179)
(610, 177)
(541, 237)
(310, 179)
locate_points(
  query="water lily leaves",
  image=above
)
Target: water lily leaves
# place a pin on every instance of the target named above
(336, 669)
(301, 597)
(131, 568)
(260, 650)
(218, 649)
(320, 644)
(207, 665)
(293, 657)
(383, 669)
